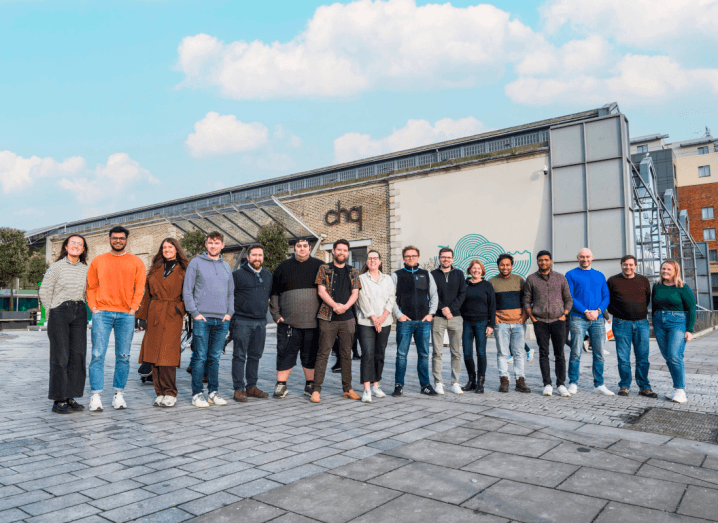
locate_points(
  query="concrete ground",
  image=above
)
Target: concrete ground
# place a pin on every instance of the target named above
(491, 457)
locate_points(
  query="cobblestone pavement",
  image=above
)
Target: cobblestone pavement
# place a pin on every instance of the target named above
(490, 457)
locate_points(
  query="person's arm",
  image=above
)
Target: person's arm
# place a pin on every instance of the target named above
(391, 300)
(567, 300)
(605, 298)
(139, 290)
(649, 294)
(93, 283)
(230, 295)
(274, 295)
(492, 306)
(432, 279)
(455, 305)
(528, 296)
(580, 307)
(190, 279)
(396, 310)
(324, 295)
(364, 303)
(433, 299)
(352, 300)
(47, 289)
(144, 309)
(689, 304)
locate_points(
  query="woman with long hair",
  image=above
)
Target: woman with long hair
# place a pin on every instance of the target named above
(479, 314)
(674, 316)
(63, 292)
(374, 307)
(162, 315)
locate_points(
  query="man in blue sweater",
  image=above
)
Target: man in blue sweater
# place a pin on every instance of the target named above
(590, 298)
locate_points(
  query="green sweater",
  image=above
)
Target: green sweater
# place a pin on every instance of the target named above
(672, 298)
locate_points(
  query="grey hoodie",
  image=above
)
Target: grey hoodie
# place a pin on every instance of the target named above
(208, 287)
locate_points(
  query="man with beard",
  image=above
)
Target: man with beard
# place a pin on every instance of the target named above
(252, 285)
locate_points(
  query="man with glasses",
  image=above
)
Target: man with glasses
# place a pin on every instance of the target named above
(451, 290)
(252, 284)
(115, 285)
(416, 303)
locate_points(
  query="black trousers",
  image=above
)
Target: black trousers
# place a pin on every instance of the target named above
(67, 330)
(248, 337)
(555, 332)
(373, 346)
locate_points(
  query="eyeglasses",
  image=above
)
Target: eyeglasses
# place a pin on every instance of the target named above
(78, 244)
(446, 257)
(373, 258)
(411, 256)
(118, 239)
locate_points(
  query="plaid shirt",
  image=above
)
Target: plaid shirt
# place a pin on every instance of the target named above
(325, 277)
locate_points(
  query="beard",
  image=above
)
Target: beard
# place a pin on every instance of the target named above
(256, 265)
(112, 246)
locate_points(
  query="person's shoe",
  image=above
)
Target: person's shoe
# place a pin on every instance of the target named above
(118, 402)
(240, 396)
(604, 390)
(308, 389)
(428, 390)
(169, 401)
(439, 388)
(376, 390)
(315, 397)
(337, 367)
(74, 405)
(530, 355)
(189, 370)
(96, 403)
(351, 395)
(548, 390)
(158, 401)
(679, 396)
(398, 390)
(510, 359)
(254, 392)
(587, 346)
(521, 386)
(366, 397)
(563, 391)
(216, 399)
(456, 389)
(471, 385)
(480, 385)
(572, 388)
(280, 390)
(198, 400)
(61, 407)
(623, 391)
(648, 393)
(504, 385)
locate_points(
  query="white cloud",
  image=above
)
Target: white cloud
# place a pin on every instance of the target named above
(354, 146)
(275, 162)
(216, 135)
(282, 134)
(18, 173)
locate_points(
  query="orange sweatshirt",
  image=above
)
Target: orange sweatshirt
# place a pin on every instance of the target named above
(115, 283)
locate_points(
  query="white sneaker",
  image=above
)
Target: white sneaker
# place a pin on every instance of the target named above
(95, 403)
(439, 388)
(118, 402)
(548, 390)
(378, 392)
(563, 392)
(217, 399)
(604, 390)
(199, 401)
(158, 401)
(169, 401)
(456, 389)
(679, 396)
(572, 388)
(366, 397)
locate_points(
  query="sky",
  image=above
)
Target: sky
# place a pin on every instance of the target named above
(111, 105)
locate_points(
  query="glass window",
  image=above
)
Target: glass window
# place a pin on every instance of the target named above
(707, 213)
(704, 171)
(714, 279)
(357, 257)
(642, 148)
(713, 256)
(709, 234)
(703, 150)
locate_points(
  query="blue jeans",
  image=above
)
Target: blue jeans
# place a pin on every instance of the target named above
(475, 330)
(636, 332)
(597, 334)
(670, 329)
(207, 344)
(421, 330)
(510, 340)
(103, 322)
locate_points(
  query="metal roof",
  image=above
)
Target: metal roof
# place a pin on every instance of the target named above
(649, 138)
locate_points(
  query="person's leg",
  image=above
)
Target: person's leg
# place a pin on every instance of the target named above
(200, 346)
(516, 346)
(310, 346)
(241, 337)
(543, 335)
(422, 338)
(217, 335)
(438, 328)
(623, 332)
(367, 340)
(502, 335)
(676, 327)
(58, 331)
(169, 381)
(255, 349)
(345, 332)
(597, 335)
(157, 380)
(641, 348)
(101, 327)
(382, 340)
(480, 332)
(467, 345)
(579, 326)
(404, 331)
(558, 340)
(456, 327)
(76, 368)
(124, 331)
(327, 336)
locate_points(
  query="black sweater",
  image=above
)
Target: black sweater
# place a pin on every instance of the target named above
(294, 295)
(479, 303)
(451, 288)
(251, 296)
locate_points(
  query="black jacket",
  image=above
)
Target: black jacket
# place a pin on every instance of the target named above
(251, 293)
(451, 288)
(480, 303)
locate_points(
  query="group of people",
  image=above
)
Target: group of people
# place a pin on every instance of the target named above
(318, 306)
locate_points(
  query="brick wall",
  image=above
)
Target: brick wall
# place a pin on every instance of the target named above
(693, 198)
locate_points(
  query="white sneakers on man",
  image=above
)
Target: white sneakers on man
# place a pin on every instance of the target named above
(366, 396)
(604, 390)
(378, 392)
(95, 403)
(456, 389)
(199, 401)
(216, 399)
(563, 391)
(118, 402)
(169, 401)
(439, 388)
(572, 388)
(158, 401)
(677, 395)
(548, 390)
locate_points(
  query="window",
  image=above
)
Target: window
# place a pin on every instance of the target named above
(704, 171)
(709, 234)
(703, 150)
(642, 149)
(714, 279)
(707, 213)
(357, 257)
(713, 256)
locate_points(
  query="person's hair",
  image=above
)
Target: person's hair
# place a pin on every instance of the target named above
(446, 249)
(629, 257)
(505, 256)
(255, 246)
(63, 249)
(366, 267)
(118, 228)
(409, 248)
(543, 253)
(215, 235)
(476, 262)
(159, 259)
(301, 240)
(341, 241)
(677, 279)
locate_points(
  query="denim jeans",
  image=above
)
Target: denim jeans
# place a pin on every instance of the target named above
(103, 322)
(475, 330)
(670, 329)
(510, 340)
(421, 330)
(597, 334)
(637, 333)
(207, 344)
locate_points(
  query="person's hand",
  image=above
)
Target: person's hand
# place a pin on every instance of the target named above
(227, 317)
(447, 313)
(133, 311)
(280, 320)
(94, 310)
(339, 308)
(562, 317)
(428, 317)
(200, 318)
(489, 330)
(533, 318)
(377, 327)
(403, 317)
(591, 315)
(689, 336)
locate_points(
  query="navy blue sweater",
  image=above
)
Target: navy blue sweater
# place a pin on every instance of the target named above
(251, 293)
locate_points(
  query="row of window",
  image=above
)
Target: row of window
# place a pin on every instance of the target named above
(644, 149)
(704, 171)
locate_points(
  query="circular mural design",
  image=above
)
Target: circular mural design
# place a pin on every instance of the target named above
(473, 246)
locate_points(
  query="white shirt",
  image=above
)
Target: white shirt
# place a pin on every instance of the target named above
(374, 298)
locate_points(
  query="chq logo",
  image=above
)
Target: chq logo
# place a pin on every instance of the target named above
(353, 215)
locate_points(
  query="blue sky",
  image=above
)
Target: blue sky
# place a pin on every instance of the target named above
(107, 106)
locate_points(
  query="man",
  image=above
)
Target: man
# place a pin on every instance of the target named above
(252, 286)
(115, 285)
(547, 301)
(339, 289)
(294, 304)
(629, 297)
(590, 298)
(416, 303)
(451, 290)
(510, 318)
(208, 293)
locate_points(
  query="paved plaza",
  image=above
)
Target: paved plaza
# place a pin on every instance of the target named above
(491, 457)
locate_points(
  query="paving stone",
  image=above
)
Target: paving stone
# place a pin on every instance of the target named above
(290, 517)
(124, 498)
(268, 457)
(66, 514)
(25, 498)
(711, 462)
(252, 488)
(297, 473)
(160, 476)
(209, 503)
(457, 435)
(222, 470)
(700, 502)
(10, 491)
(591, 440)
(596, 458)
(151, 505)
(53, 504)
(386, 444)
(413, 435)
(438, 453)
(522, 468)
(368, 468)
(630, 513)
(99, 471)
(12, 515)
(231, 480)
(126, 473)
(109, 489)
(630, 435)
(174, 484)
(410, 509)
(362, 452)
(170, 515)
(708, 476)
(694, 446)
(637, 449)
(333, 462)
(522, 445)
(245, 511)
(49, 481)
(42, 473)
(299, 459)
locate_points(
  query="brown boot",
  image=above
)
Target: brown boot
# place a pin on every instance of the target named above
(351, 395)
(240, 395)
(504, 385)
(254, 392)
(315, 397)
(521, 386)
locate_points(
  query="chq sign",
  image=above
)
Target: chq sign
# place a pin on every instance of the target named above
(353, 215)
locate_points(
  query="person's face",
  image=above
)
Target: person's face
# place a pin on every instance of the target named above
(373, 261)
(75, 246)
(544, 263)
(476, 272)
(341, 253)
(505, 267)
(214, 246)
(446, 259)
(629, 268)
(301, 249)
(118, 241)
(256, 258)
(585, 257)
(169, 251)
(668, 272)
(411, 257)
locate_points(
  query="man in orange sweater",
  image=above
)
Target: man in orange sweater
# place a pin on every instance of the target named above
(115, 285)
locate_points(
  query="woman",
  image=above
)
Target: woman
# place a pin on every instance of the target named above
(376, 301)
(674, 315)
(63, 292)
(161, 313)
(479, 314)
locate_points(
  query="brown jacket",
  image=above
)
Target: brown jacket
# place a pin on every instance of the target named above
(163, 309)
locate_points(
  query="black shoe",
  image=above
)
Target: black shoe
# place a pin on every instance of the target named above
(648, 393)
(480, 385)
(429, 390)
(398, 391)
(61, 407)
(471, 385)
(623, 391)
(189, 370)
(337, 367)
(356, 357)
(308, 389)
(74, 405)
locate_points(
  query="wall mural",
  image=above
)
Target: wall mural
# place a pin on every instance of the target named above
(474, 246)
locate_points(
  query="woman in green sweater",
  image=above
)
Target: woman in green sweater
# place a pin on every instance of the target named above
(674, 315)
